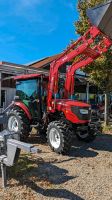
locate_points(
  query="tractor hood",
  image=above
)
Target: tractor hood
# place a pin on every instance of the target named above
(101, 17)
(66, 102)
(75, 111)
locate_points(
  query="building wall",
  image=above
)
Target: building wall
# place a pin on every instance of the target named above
(9, 95)
(7, 87)
(7, 91)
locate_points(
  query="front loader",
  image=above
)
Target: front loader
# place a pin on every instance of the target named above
(40, 103)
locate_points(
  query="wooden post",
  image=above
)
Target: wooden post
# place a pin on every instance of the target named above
(106, 108)
(87, 92)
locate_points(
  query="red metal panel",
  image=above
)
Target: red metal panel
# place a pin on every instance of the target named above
(24, 108)
(27, 76)
(65, 107)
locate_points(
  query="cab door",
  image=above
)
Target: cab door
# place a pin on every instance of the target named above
(29, 93)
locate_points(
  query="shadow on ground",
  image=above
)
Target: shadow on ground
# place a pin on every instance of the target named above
(32, 172)
(103, 142)
(44, 177)
(37, 139)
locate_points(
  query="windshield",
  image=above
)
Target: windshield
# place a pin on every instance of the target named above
(27, 89)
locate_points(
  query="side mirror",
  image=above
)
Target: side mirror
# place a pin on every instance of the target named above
(16, 98)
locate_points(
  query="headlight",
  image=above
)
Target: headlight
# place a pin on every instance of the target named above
(84, 111)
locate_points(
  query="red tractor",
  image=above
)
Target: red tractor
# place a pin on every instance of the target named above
(42, 103)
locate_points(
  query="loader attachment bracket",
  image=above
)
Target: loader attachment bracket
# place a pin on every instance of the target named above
(101, 17)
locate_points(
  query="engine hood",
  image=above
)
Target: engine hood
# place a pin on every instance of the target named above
(66, 102)
(71, 110)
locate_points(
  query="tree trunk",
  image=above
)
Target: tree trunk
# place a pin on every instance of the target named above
(106, 113)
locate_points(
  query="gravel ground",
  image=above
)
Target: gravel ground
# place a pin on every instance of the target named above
(86, 174)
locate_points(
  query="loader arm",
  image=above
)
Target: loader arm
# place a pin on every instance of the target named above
(84, 51)
(89, 55)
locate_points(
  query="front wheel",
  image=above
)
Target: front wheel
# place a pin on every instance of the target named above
(59, 137)
(86, 136)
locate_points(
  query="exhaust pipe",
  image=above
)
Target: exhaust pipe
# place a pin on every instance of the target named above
(101, 17)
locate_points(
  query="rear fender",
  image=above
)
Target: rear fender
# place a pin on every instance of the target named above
(24, 108)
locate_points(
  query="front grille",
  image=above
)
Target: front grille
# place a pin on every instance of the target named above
(76, 111)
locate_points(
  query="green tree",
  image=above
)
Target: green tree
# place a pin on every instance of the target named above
(100, 72)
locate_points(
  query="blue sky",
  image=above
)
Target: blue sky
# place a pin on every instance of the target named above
(33, 29)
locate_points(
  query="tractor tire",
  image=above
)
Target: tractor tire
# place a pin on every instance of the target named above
(18, 122)
(59, 137)
(88, 136)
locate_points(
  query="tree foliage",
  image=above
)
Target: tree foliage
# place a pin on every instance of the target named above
(100, 72)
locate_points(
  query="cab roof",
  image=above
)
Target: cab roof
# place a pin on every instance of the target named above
(29, 76)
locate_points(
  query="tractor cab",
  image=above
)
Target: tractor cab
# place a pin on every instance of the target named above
(31, 91)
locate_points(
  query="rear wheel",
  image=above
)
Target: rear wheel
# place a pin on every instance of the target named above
(18, 122)
(59, 137)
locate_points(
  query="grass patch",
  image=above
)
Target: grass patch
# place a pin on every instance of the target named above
(107, 128)
(24, 165)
